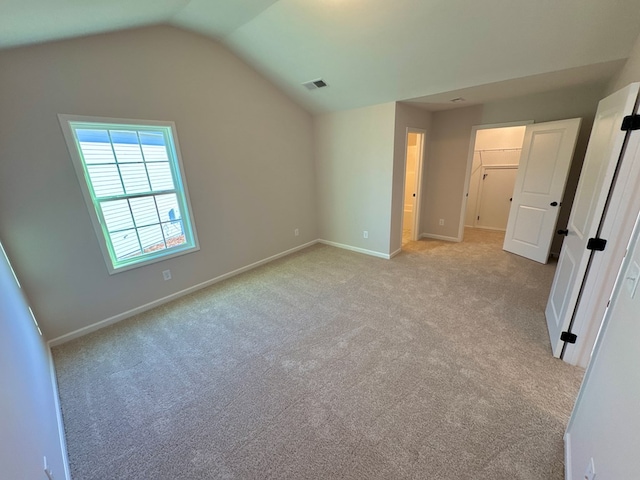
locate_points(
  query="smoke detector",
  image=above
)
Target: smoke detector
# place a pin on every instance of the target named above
(315, 84)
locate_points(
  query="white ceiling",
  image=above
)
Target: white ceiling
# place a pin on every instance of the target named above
(374, 51)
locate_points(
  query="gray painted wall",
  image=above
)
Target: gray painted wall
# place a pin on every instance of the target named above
(354, 174)
(630, 72)
(247, 151)
(28, 422)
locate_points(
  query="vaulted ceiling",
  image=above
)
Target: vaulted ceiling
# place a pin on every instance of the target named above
(374, 51)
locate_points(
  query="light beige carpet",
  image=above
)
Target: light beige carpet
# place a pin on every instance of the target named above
(329, 364)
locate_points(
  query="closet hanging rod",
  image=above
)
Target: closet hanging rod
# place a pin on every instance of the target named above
(498, 149)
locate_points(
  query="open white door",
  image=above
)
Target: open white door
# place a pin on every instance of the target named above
(544, 165)
(589, 206)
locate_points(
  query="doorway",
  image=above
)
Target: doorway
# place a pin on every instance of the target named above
(414, 154)
(494, 155)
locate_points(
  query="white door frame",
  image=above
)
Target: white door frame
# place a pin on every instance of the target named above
(467, 179)
(483, 170)
(415, 230)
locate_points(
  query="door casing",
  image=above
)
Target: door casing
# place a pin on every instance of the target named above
(415, 228)
(467, 179)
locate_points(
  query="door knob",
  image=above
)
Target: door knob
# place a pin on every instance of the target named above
(554, 204)
(564, 232)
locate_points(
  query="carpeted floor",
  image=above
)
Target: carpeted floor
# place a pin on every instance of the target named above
(329, 364)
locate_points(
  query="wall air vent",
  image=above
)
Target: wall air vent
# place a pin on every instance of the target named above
(315, 84)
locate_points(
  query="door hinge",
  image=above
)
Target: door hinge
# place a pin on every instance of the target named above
(631, 122)
(568, 337)
(596, 244)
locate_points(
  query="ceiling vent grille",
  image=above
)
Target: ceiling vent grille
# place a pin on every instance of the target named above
(315, 84)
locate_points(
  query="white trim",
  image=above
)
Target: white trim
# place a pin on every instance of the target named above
(467, 178)
(56, 399)
(440, 237)
(148, 306)
(386, 256)
(567, 456)
(393, 254)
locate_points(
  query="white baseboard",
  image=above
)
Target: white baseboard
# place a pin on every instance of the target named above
(440, 237)
(393, 254)
(567, 456)
(373, 253)
(56, 398)
(148, 306)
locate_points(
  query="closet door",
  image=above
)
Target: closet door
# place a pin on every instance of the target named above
(544, 165)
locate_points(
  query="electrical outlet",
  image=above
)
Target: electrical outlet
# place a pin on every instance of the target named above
(296, 232)
(441, 222)
(590, 474)
(365, 234)
(166, 274)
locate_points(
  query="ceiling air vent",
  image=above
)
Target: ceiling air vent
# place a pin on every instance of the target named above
(315, 84)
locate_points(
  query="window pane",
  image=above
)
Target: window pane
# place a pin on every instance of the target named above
(160, 176)
(168, 207)
(97, 153)
(105, 180)
(134, 177)
(153, 146)
(151, 238)
(126, 146)
(144, 211)
(174, 233)
(117, 215)
(95, 146)
(125, 244)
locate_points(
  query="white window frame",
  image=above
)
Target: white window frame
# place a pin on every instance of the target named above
(67, 123)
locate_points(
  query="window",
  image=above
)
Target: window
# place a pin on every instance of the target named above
(132, 179)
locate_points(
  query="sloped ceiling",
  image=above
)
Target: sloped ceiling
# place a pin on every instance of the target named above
(374, 51)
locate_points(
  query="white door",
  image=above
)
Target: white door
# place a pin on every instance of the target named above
(496, 191)
(544, 165)
(594, 187)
